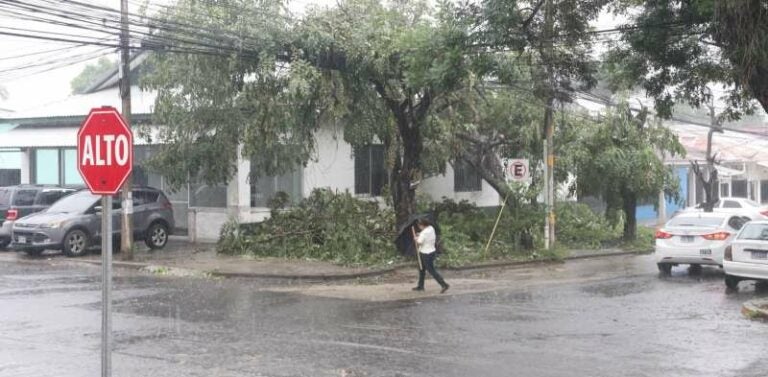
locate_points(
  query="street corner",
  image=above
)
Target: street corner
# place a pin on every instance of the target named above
(756, 310)
(394, 291)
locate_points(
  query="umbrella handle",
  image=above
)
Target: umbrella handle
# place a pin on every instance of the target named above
(416, 246)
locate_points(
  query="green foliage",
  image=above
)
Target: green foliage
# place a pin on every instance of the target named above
(466, 228)
(90, 74)
(618, 160)
(326, 226)
(644, 243)
(580, 227)
(682, 47)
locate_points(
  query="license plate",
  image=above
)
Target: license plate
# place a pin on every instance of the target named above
(760, 255)
(22, 239)
(686, 239)
(705, 252)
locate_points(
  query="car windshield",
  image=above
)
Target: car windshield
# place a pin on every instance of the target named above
(754, 232)
(710, 222)
(5, 196)
(76, 203)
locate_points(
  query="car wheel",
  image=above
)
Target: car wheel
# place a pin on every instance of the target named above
(665, 268)
(75, 243)
(732, 282)
(157, 236)
(4, 245)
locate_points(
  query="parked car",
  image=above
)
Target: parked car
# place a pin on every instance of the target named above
(22, 200)
(73, 224)
(696, 238)
(736, 206)
(747, 257)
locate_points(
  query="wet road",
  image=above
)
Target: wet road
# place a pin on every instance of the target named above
(602, 317)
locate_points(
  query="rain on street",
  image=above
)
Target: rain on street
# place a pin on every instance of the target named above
(594, 317)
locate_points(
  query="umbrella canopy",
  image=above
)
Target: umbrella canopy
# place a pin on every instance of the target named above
(404, 240)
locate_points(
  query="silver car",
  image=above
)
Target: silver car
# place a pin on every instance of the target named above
(73, 224)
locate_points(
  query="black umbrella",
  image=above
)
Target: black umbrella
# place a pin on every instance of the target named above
(404, 240)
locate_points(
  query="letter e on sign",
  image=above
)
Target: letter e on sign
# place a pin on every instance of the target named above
(104, 151)
(517, 170)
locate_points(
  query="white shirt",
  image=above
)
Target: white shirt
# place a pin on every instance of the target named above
(426, 240)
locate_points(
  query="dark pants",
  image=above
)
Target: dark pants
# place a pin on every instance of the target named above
(428, 264)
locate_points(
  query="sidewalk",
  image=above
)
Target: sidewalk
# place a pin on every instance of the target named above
(183, 258)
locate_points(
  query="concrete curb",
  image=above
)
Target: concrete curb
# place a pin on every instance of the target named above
(325, 277)
(755, 310)
(150, 267)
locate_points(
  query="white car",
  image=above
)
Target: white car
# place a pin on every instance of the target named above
(736, 206)
(747, 257)
(696, 238)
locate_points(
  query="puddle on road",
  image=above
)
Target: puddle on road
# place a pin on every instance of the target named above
(618, 289)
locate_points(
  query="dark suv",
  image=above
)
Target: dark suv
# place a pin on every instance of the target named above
(19, 201)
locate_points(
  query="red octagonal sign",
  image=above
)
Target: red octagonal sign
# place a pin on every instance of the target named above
(104, 151)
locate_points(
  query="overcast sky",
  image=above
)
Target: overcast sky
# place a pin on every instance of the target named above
(29, 90)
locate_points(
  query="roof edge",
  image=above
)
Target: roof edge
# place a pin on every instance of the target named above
(112, 78)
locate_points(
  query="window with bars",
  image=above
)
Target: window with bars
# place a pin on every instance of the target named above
(264, 189)
(370, 170)
(465, 177)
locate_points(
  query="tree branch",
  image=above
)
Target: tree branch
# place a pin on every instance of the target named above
(533, 14)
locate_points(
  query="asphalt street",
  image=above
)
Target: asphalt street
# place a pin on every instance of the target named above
(596, 317)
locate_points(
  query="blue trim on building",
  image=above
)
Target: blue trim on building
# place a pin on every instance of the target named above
(646, 213)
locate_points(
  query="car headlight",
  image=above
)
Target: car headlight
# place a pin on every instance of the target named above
(51, 225)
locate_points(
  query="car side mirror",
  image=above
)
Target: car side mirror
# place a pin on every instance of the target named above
(97, 209)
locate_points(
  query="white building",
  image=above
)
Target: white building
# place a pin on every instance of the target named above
(40, 143)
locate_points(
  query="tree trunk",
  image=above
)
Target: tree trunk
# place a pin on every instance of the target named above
(494, 178)
(738, 22)
(409, 170)
(630, 216)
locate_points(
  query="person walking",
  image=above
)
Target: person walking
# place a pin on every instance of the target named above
(425, 241)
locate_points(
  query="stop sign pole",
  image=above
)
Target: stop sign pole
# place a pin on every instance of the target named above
(105, 160)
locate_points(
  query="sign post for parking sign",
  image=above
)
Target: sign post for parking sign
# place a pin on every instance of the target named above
(105, 160)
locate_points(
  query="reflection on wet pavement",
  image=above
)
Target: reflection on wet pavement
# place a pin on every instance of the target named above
(599, 317)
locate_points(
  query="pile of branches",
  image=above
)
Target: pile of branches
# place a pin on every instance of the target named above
(328, 226)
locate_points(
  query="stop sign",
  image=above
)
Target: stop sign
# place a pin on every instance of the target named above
(104, 151)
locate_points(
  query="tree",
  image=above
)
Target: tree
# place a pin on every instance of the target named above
(377, 69)
(90, 74)
(675, 49)
(618, 159)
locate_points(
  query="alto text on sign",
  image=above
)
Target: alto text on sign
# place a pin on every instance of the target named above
(104, 151)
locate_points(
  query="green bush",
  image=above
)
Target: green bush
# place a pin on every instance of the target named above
(327, 226)
(578, 226)
(466, 229)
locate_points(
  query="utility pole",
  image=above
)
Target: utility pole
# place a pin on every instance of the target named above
(126, 231)
(549, 150)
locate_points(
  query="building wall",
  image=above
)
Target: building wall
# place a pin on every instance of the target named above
(647, 214)
(441, 186)
(333, 166)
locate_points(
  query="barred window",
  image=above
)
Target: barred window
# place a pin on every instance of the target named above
(465, 177)
(370, 170)
(263, 189)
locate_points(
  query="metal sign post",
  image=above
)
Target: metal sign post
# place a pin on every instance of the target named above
(105, 160)
(106, 285)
